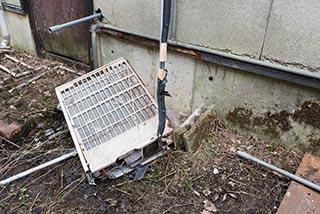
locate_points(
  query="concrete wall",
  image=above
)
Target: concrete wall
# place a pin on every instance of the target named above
(255, 105)
(285, 32)
(293, 32)
(281, 31)
(236, 26)
(20, 32)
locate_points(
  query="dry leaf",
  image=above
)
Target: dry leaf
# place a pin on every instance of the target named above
(232, 195)
(216, 197)
(206, 192)
(208, 205)
(206, 212)
(224, 197)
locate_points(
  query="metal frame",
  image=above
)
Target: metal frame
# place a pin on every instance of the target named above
(19, 9)
(109, 113)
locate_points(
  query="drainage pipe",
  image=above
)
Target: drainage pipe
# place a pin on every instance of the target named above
(174, 20)
(291, 70)
(281, 171)
(74, 22)
(4, 29)
(34, 169)
(94, 46)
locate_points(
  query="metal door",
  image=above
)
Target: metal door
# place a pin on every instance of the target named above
(72, 42)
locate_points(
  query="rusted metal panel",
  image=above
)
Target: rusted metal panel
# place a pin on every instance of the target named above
(73, 42)
(300, 199)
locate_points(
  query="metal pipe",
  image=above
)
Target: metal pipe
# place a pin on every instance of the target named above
(281, 171)
(74, 22)
(94, 46)
(174, 21)
(34, 169)
(4, 29)
(296, 71)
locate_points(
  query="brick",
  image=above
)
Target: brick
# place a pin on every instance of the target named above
(300, 199)
(9, 131)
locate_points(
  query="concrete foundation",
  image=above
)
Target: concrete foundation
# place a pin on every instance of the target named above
(254, 105)
(20, 32)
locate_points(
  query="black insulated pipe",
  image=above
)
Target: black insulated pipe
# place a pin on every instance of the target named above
(162, 72)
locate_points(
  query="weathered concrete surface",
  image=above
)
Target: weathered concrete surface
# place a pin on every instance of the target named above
(293, 32)
(141, 16)
(255, 105)
(300, 199)
(146, 62)
(20, 32)
(191, 133)
(234, 25)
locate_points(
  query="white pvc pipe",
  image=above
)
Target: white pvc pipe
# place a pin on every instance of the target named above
(34, 169)
(4, 29)
(281, 171)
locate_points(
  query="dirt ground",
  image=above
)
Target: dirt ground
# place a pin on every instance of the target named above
(210, 180)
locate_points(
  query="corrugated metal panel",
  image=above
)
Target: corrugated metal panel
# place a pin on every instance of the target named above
(109, 112)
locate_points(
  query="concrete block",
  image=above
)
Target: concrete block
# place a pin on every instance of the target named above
(234, 25)
(140, 57)
(141, 16)
(191, 134)
(9, 131)
(20, 32)
(293, 32)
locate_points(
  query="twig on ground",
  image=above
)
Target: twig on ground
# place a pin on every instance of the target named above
(10, 142)
(33, 203)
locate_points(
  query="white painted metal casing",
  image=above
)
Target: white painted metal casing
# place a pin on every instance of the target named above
(109, 113)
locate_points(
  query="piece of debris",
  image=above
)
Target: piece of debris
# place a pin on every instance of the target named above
(26, 83)
(215, 171)
(209, 206)
(299, 198)
(190, 134)
(18, 61)
(139, 172)
(61, 67)
(113, 202)
(9, 131)
(206, 192)
(110, 114)
(7, 71)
